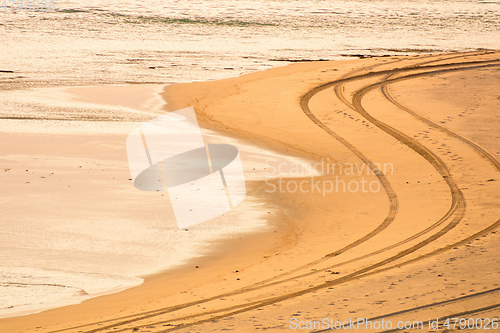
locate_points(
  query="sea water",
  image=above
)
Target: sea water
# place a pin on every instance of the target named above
(136, 42)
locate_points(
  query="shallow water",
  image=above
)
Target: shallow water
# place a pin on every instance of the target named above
(111, 41)
(52, 258)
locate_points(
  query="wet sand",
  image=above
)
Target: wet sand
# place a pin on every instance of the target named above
(422, 247)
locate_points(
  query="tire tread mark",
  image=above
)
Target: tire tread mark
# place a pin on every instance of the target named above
(170, 309)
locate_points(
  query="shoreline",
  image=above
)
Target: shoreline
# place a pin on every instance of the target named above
(80, 131)
(308, 226)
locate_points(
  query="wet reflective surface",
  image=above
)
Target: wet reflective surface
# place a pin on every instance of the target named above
(120, 42)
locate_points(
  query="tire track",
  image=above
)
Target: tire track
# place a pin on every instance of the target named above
(428, 306)
(455, 315)
(352, 276)
(269, 282)
(482, 151)
(338, 90)
(456, 193)
(385, 183)
(435, 162)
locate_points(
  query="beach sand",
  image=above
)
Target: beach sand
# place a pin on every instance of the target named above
(421, 247)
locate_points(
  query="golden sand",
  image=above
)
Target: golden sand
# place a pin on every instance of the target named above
(422, 247)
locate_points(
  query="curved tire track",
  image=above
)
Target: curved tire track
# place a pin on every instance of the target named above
(352, 276)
